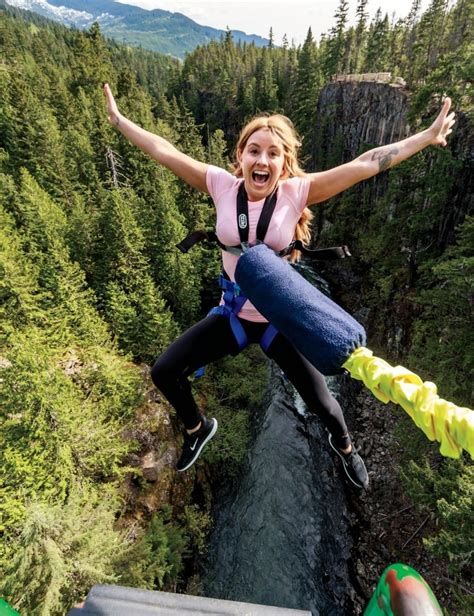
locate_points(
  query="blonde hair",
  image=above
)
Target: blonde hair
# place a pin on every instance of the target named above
(282, 127)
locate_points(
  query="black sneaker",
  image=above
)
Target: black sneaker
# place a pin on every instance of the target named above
(194, 443)
(353, 465)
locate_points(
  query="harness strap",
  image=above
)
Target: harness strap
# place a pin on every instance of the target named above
(268, 337)
(233, 302)
(319, 254)
(243, 215)
(195, 237)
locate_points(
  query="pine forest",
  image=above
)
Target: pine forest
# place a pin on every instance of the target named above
(92, 286)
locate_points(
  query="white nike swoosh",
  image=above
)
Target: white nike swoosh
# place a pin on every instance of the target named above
(194, 446)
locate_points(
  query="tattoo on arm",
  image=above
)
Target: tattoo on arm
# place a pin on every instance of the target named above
(385, 158)
(117, 121)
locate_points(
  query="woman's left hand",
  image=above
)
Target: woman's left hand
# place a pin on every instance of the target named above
(442, 126)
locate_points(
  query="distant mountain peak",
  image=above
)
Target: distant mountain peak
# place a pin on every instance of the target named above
(159, 30)
(60, 13)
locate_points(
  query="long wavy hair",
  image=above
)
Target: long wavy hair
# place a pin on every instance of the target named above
(282, 127)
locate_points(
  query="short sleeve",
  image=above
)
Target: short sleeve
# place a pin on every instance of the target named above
(297, 190)
(218, 181)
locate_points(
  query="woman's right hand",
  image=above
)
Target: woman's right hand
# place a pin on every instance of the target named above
(112, 109)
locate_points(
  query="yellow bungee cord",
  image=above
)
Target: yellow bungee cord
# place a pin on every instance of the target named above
(440, 420)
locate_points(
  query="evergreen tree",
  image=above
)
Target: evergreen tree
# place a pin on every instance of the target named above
(190, 203)
(410, 34)
(246, 98)
(347, 60)
(266, 98)
(20, 291)
(271, 43)
(378, 45)
(396, 50)
(461, 23)
(91, 60)
(63, 552)
(23, 108)
(51, 167)
(284, 74)
(306, 91)
(360, 36)
(430, 36)
(444, 487)
(161, 551)
(334, 62)
(177, 276)
(44, 229)
(445, 309)
(131, 302)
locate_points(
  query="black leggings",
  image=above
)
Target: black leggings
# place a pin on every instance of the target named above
(210, 340)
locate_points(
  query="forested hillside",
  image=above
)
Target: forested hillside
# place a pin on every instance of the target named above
(170, 33)
(92, 286)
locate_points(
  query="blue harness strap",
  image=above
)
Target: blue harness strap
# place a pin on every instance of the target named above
(233, 302)
(268, 337)
(234, 299)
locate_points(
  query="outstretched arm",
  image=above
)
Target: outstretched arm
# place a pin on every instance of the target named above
(188, 169)
(326, 184)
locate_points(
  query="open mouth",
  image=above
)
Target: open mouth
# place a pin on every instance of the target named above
(260, 177)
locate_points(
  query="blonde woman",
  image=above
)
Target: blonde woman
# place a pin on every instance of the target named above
(267, 178)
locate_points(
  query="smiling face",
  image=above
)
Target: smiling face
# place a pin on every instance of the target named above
(262, 162)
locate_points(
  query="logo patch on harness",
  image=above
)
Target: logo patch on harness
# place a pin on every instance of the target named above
(242, 221)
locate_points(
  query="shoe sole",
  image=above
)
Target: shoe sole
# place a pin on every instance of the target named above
(358, 485)
(198, 451)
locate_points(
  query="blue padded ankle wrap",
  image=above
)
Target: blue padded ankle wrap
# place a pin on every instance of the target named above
(319, 328)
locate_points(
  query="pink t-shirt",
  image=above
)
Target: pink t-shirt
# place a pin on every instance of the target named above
(291, 201)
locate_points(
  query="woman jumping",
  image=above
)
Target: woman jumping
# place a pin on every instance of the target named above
(266, 198)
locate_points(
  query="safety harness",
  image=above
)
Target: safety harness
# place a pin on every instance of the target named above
(233, 297)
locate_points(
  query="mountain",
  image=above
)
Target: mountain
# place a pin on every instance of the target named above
(158, 30)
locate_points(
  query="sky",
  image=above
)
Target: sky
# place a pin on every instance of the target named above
(290, 17)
